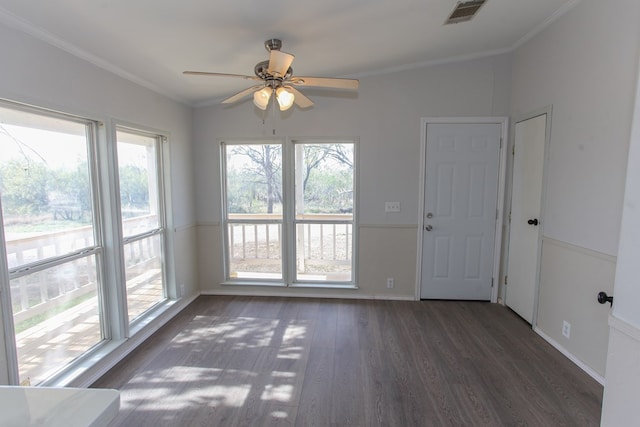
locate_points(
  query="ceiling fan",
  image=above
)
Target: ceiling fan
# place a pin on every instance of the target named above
(276, 76)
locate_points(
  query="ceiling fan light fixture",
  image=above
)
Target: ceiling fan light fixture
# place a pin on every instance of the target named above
(261, 97)
(277, 82)
(285, 98)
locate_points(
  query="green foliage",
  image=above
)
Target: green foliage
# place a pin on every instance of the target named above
(70, 193)
(328, 178)
(134, 187)
(30, 188)
(23, 186)
(329, 191)
(253, 178)
(241, 193)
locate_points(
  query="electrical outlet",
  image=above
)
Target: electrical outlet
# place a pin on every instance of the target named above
(390, 283)
(566, 329)
(392, 206)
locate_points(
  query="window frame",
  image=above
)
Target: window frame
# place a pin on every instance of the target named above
(226, 256)
(160, 230)
(97, 249)
(289, 221)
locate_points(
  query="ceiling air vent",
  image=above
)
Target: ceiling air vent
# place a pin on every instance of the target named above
(464, 11)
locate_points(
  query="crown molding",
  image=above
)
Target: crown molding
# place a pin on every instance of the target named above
(550, 20)
(24, 26)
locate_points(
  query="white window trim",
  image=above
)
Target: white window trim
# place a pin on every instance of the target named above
(169, 289)
(288, 218)
(223, 144)
(6, 274)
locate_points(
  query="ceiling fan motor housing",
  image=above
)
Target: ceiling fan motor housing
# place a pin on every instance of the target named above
(261, 71)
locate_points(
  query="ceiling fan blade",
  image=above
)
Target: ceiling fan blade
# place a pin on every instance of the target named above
(205, 73)
(238, 96)
(279, 62)
(301, 100)
(325, 82)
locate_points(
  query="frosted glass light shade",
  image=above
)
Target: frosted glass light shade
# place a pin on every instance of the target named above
(285, 98)
(261, 98)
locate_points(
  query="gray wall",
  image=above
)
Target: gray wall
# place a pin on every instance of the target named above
(584, 65)
(385, 116)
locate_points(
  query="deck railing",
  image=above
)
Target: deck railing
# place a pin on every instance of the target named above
(57, 309)
(321, 239)
(36, 293)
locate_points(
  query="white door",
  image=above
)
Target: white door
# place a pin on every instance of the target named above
(622, 386)
(461, 187)
(523, 261)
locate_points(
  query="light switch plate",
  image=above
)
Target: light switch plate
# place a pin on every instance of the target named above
(392, 206)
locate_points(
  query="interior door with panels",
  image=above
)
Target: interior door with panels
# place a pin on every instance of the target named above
(460, 210)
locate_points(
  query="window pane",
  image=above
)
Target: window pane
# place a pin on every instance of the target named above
(45, 186)
(324, 183)
(324, 180)
(56, 317)
(138, 178)
(143, 260)
(253, 180)
(255, 251)
(324, 252)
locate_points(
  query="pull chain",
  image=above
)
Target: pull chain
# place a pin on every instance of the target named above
(273, 109)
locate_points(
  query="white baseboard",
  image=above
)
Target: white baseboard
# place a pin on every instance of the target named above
(272, 293)
(593, 374)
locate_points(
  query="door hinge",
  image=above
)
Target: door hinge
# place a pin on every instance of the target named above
(509, 216)
(492, 282)
(505, 280)
(500, 143)
(513, 150)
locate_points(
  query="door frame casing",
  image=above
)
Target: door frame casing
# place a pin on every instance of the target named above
(547, 110)
(504, 123)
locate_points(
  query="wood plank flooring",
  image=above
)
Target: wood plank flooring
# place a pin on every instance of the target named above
(249, 361)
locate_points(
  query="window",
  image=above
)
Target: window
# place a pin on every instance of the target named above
(323, 212)
(59, 297)
(296, 234)
(142, 221)
(52, 244)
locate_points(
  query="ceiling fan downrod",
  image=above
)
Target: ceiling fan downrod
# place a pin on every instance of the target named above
(272, 44)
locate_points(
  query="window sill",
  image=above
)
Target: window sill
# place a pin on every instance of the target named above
(253, 283)
(79, 367)
(109, 350)
(352, 286)
(308, 285)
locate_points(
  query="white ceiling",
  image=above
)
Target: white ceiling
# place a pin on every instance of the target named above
(152, 41)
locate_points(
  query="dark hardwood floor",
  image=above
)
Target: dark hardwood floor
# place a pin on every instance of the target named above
(243, 361)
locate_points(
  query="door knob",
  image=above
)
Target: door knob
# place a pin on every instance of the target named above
(533, 222)
(428, 227)
(603, 298)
